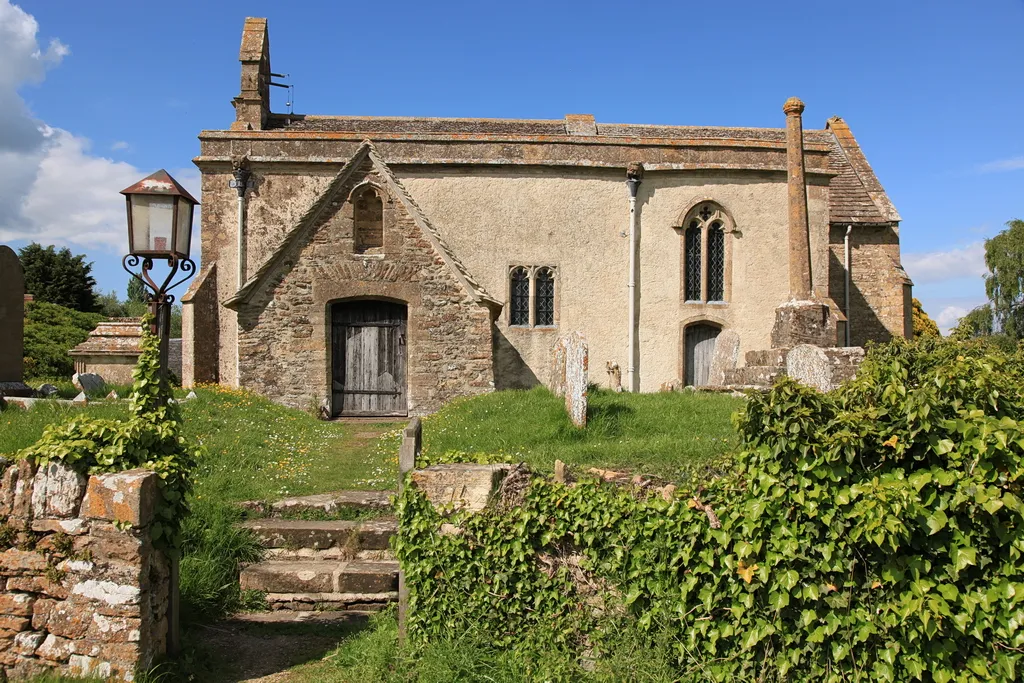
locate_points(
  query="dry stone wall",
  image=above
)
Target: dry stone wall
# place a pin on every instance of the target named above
(83, 592)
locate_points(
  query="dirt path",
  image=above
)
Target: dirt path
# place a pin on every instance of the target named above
(238, 651)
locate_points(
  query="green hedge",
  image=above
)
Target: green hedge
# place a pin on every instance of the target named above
(873, 533)
(50, 332)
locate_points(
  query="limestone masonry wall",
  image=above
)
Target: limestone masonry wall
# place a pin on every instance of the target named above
(82, 589)
(284, 347)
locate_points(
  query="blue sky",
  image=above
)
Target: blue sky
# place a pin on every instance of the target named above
(94, 95)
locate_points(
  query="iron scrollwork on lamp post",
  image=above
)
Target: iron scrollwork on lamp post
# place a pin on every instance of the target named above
(160, 215)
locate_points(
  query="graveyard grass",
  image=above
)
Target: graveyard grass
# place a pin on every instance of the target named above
(253, 449)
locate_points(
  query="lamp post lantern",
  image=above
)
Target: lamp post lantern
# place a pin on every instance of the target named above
(160, 214)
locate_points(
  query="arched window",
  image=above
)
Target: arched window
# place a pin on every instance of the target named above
(368, 219)
(519, 310)
(544, 297)
(693, 261)
(716, 262)
(704, 258)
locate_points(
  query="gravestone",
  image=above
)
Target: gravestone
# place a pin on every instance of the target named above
(557, 382)
(576, 378)
(725, 357)
(12, 322)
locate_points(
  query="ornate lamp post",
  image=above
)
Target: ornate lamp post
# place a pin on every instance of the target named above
(159, 228)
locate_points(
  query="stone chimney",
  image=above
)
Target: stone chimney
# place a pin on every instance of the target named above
(799, 234)
(252, 106)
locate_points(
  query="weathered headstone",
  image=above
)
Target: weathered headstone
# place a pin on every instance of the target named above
(88, 381)
(557, 382)
(48, 390)
(12, 322)
(576, 378)
(614, 377)
(725, 357)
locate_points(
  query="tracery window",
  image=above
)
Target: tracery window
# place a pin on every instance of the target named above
(368, 220)
(705, 258)
(544, 297)
(716, 262)
(519, 309)
(693, 266)
(531, 296)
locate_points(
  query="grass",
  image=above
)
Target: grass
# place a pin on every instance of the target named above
(252, 449)
(374, 655)
(67, 390)
(672, 435)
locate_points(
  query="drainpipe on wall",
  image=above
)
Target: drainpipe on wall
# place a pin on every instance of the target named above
(634, 175)
(846, 289)
(241, 181)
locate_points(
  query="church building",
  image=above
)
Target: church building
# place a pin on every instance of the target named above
(382, 266)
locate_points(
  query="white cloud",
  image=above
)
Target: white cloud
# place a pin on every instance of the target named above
(949, 317)
(939, 266)
(1002, 165)
(119, 145)
(52, 190)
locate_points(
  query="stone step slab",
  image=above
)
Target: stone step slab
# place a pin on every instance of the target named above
(319, 534)
(283, 616)
(328, 554)
(365, 603)
(326, 503)
(776, 357)
(297, 576)
(754, 375)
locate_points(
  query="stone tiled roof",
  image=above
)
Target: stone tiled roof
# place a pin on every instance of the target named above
(309, 219)
(113, 337)
(855, 194)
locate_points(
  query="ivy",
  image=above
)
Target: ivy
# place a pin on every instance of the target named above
(873, 533)
(149, 439)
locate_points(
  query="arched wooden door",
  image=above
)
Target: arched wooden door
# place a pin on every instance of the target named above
(368, 340)
(700, 348)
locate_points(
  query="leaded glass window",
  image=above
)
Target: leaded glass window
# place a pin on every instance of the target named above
(519, 309)
(693, 264)
(716, 262)
(705, 253)
(544, 297)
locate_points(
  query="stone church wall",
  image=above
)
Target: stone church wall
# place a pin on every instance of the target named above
(577, 221)
(82, 589)
(876, 288)
(285, 349)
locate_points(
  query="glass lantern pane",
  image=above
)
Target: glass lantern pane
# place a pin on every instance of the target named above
(184, 234)
(151, 223)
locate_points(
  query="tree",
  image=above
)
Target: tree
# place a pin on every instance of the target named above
(57, 277)
(924, 326)
(136, 291)
(978, 323)
(1004, 285)
(50, 332)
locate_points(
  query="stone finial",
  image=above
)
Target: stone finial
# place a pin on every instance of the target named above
(635, 171)
(793, 107)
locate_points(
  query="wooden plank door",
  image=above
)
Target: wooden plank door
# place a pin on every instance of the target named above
(700, 347)
(369, 357)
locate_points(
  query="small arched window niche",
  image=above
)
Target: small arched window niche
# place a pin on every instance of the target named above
(531, 296)
(705, 266)
(368, 220)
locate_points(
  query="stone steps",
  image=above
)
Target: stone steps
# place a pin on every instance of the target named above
(297, 534)
(344, 567)
(326, 503)
(347, 585)
(284, 616)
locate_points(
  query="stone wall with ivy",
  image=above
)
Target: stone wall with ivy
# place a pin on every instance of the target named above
(83, 590)
(872, 533)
